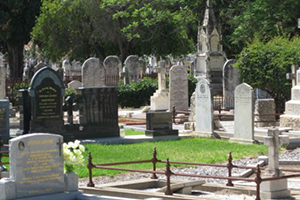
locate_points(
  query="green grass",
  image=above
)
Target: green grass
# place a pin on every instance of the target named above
(133, 132)
(201, 150)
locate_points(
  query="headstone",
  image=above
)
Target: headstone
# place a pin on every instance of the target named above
(160, 99)
(291, 118)
(98, 112)
(142, 67)
(4, 118)
(93, 73)
(67, 68)
(112, 65)
(276, 189)
(39, 66)
(159, 124)
(36, 163)
(243, 114)
(46, 92)
(25, 112)
(74, 84)
(178, 88)
(265, 112)
(132, 69)
(190, 125)
(231, 79)
(2, 82)
(204, 109)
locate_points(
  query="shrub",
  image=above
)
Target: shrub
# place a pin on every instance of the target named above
(136, 94)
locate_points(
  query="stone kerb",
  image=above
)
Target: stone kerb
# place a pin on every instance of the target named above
(243, 114)
(113, 66)
(46, 92)
(93, 73)
(204, 109)
(36, 162)
(178, 88)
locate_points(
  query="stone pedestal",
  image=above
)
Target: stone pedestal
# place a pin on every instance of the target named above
(7, 189)
(71, 182)
(274, 189)
(159, 100)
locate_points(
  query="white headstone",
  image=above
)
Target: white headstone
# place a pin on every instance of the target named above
(243, 114)
(74, 84)
(178, 88)
(66, 67)
(204, 109)
(36, 164)
(93, 73)
(112, 65)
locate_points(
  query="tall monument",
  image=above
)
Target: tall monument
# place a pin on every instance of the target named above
(210, 57)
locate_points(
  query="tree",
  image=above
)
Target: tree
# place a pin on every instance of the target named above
(264, 66)
(16, 22)
(100, 28)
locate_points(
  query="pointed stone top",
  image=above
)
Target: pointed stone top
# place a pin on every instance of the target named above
(209, 22)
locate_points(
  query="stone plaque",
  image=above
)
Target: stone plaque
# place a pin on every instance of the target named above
(36, 162)
(204, 107)
(243, 113)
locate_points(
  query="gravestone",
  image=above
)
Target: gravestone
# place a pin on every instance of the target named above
(276, 189)
(291, 118)
(160, 100)
(231, 79)
(25, 111)
(243, 114)
(178, 88)
(93, 73)
(159, 124)
(46, 92)
(112, 65)
(36, 163)
(98, 112)
(142, 67)
(265, 111)
(204, 109)
(67, 68)
(4, 119)
(38, 66)
(74, 84)
(2, 78)
(132, 69)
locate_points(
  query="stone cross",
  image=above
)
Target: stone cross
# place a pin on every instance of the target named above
(292, 76)
(161, 70)
(274, 140)
(60, 143)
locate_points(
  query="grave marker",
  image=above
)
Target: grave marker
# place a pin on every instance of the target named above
(36, 164)
(93, 73)
(74, 84)
(112, 65)
(4, 118)
(243, 114)
(132, 69)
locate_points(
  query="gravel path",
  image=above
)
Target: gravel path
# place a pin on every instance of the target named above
(203, 170)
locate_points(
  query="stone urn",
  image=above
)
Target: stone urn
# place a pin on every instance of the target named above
(71, 182)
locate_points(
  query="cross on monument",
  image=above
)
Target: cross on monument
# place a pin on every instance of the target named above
(274, 140)
(161, 75)
(59, 143)
(293, 76)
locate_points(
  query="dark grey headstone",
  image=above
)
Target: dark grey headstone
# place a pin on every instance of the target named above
(36, 164)
(46, 92)
(4, 119)
(159, 124)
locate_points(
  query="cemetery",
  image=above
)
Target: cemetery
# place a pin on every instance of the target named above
(65, 97)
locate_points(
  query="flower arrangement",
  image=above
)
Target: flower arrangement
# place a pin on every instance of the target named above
(72, 155)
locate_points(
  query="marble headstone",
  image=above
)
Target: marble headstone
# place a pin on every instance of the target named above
(231, 79)
(132, 69)
(178, 88)
(243, 114)
(66, 67)
(112, 65)
(93, 73)
(204, 109)
(36, 163)
(74, 84)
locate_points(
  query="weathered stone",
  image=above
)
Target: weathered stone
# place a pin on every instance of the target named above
(4, 119)
(131, 69)
(74, 84)
(266, 108)
(113, 66)
(93, 73)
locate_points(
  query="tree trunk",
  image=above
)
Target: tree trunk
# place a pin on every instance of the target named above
(16, 61)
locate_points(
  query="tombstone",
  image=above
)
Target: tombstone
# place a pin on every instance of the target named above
(131, 69)
(243, 114)
(2, 82)
(178, 88)
(190, 125)
(142, 67)
(74, 84)
(265, 108)
(159, 124)
(25, 112)
(98, 112)
(93, 73)
(292, 76)
(76, 69)
(112, 65)
(160, 100)
(46, 92)
(204, 109)
(67, 68)
(231, 79)
(39, 66)
(291, 116)
(4, 119)
(276, 189)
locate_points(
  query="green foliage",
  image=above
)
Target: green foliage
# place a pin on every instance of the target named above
(201, 150)
(136, 94)
(192, 83)
(264, 66)
(15, 91)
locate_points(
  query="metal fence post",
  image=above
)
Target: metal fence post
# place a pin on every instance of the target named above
(258, 181)
(229, 167)
(168, 173)
(90, 166)
(154, 161)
